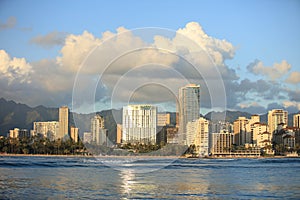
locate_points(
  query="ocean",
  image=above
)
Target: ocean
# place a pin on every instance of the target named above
(148, 178)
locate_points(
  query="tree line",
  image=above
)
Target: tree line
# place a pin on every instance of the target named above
(40, 145)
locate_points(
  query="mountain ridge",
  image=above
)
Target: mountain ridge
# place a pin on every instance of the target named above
(18, 115)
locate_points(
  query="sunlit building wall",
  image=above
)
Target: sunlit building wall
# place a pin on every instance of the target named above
(63, 122)
(276, 117)
(139, 124)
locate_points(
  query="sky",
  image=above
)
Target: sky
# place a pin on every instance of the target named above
(91, 55)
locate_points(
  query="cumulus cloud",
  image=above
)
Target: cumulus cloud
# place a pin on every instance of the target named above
(49, 40)
(75, 49)
(14, 69)
(139, 66)
(295, 104)
(201, 49)
(294, 78)
(10, 23)
(274, 72)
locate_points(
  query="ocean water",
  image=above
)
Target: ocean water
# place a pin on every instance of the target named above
(148, 178)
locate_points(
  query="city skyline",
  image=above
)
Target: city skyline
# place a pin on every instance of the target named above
(260, 71)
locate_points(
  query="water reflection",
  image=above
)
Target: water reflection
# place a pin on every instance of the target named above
(127, 177)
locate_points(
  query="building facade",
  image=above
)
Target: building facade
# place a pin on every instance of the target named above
(257, 130)
(276, 117)
(197, 134)
(163, 119)
(63, 122)
(221, 143)
(49, 129)
(74, 133)
(240, 131)
(188, 107)
(139, 124)
(296, 120)
(97, 129)
(119, 134)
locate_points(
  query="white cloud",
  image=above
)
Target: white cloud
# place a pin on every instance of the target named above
(250, 104)
(294, 78)
(274, 72)
(129, 60)
(15, 69)
(75, 49)
(49, 40)
(287, 104)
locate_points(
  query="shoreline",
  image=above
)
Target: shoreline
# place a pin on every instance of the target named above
(144, 156)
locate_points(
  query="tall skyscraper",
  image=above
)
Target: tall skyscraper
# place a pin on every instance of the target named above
(276, 117)
(97, 129)
(188, 106)
(139, 124)
(296, 120)
(63, 121)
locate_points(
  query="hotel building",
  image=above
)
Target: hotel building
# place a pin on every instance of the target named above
(63, 122)
(188, 107)
(197, 134)
(49, 129)
(139, 124)
(97, 130)
(276, 117)
(296, 120)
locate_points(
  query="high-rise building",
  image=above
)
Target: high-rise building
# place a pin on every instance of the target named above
(139, 124)
(221, 142)
(49, 129)
(74, 133)
(63, 122)
(258, 132)
(239, 130)
(188, 106)
(296, 120)
(249, 126)
(276, 117)
(97, 130)
(197, 134)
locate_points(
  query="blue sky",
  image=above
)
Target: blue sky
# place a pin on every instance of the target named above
(264, 32)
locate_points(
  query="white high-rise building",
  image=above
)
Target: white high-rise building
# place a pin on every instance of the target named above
(47, 129)
(296, 120)
(276, 117)
(188, 106)
(197, 134)
(139, 124)
(97, 130)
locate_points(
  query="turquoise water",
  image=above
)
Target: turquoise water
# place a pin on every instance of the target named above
(148, 178)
